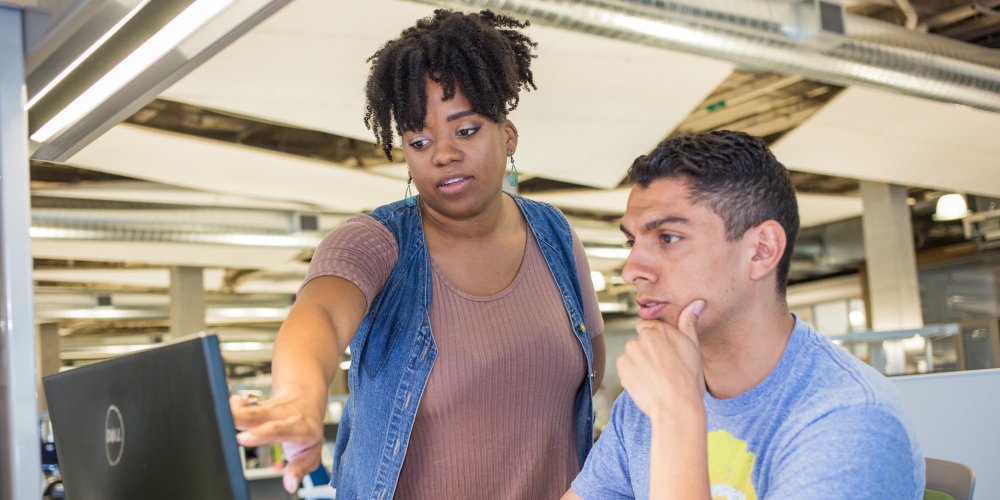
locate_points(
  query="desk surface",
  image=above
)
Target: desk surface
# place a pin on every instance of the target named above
(261, 473)
(325, 492)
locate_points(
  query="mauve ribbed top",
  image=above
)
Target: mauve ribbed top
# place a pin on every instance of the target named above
(496, 417)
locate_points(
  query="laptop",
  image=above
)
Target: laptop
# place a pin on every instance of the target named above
(154, 425)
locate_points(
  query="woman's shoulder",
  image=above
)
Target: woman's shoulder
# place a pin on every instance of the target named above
(360, 225)
(362, 232)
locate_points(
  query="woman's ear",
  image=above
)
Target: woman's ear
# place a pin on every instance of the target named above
(511, 131)
(768, 240)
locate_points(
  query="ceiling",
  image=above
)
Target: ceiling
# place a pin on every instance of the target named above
(272, 125)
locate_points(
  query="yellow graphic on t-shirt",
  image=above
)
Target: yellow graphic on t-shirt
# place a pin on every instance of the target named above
(729, 467)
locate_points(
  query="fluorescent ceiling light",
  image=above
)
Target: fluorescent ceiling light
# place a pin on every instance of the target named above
(261, 313)
(105, 313)
(87, 53)
(165, 40)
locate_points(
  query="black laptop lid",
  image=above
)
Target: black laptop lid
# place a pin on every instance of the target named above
(152, 425)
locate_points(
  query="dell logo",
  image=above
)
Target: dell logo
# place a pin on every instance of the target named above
(114, 435)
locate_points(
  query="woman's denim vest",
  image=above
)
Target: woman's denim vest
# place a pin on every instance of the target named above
(393, 351)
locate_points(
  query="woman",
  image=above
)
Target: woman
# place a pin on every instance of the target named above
(472, 322)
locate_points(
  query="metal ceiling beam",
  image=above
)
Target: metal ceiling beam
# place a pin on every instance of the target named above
(735, 97)
(957, 14)
(973, 29)
(127, 97)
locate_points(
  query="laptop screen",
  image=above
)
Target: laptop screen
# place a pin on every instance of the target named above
(154, 425)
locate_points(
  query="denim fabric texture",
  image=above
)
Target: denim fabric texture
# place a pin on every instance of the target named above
(393, 351)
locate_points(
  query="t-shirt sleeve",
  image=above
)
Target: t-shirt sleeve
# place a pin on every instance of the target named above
(858, 452)
(605, 474)
(591, 311)
(361, 251)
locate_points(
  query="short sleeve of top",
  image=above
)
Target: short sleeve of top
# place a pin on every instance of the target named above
(361, 251)
(364, 252)
(606, 473)
(591, 310)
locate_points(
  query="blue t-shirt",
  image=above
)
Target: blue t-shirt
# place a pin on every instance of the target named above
(822, 425)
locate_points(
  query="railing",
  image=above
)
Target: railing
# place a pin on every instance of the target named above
(967, 345)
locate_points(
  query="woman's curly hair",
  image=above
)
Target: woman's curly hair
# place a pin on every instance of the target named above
(482, 53)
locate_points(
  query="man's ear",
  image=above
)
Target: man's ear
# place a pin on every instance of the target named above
(768, 242)
(511, 130)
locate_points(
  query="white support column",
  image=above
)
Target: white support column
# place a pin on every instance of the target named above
(20, 462)
(47, 359)
(187, 300)
(891, 260)
(893, 291)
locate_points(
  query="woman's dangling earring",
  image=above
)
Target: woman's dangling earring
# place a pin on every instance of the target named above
(512, 176)
(410, 199)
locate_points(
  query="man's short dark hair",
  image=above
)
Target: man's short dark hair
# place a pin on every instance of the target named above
(735, 175)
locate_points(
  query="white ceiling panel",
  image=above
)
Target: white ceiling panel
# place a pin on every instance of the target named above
(230, 169)
(814, 209)
(611, 201)
(154, 278)
(168, 254)
(600, 102)
(875, 135)
(303, 66)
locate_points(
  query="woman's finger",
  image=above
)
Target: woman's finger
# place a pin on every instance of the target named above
(292, 429)
(300, 463)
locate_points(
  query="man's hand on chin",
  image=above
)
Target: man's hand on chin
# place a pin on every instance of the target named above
(663, 374)
(662, 369)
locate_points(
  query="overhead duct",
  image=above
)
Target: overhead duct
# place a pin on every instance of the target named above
(214, 226)
(814, 39)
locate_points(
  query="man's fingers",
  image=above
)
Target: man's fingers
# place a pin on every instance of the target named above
(687, 322)
(624, 365)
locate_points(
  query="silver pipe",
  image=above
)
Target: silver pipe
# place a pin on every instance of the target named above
(780, 37)
(985, 10)
(213, 226)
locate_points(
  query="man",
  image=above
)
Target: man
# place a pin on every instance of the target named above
(711, 220)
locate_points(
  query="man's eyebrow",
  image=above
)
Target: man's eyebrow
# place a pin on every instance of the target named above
(669, 219)
(651, 225)
(460, 114)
